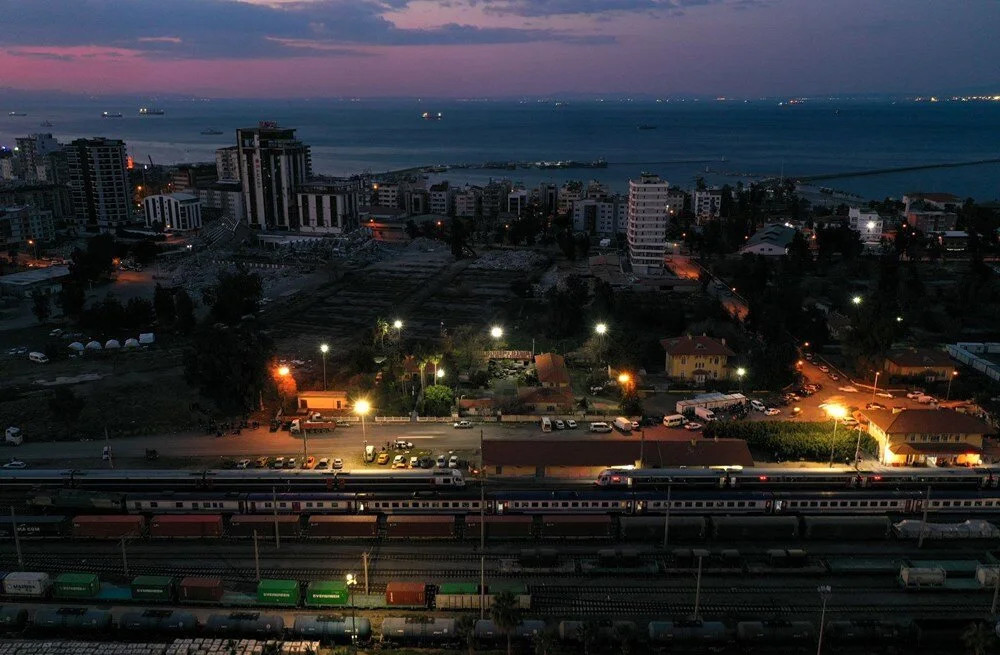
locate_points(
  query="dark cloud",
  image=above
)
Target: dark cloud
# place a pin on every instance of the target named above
(232, 29)
(537, 8)
(17, 52)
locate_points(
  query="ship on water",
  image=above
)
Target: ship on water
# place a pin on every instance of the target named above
(430, 116)
(111, 114)
(149, 111)
(16, 113)
(211, 132)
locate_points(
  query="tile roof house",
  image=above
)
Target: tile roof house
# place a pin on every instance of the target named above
(927, 436)
(772, 239)
(696, 358)
(551, 370)
(546, 400)
(928, 363)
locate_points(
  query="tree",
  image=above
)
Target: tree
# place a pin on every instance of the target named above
(465, 627)
(506, 614)
(234, 296)
(65, 405)
(184, 307)
(545, 642)
(631, 403)
(229, 364)
(163, 305)
(138, 313)
(72, 298)
(144, 252)
(978, 639)
(41, 305)
(438, 400)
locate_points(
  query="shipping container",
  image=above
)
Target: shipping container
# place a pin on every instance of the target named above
(72, 618)
(26, 583)
(406, 594)
(913, 577)
(245, 624)
(420, 526)
(108, 526)
(159, 621)
(458, 588)
(200, 590)
(322, 593)
(361, 526)
(418, 629)
(577, 526)
(499, 527)
(12, 619)
(331, 628)
(153, 588)
(283, 593)
(189, 526)
(244, 525)
(76, 585)
(33, 527)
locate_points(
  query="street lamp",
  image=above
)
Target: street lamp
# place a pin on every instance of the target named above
(624, 379)
(835, 412)
(362, 407)
(824, 594)
(496, 332)
(440, 373)
(283, 372)
(351, 581)
(324, 349)
(601, 329)
(875, 386)
(740, 372)
(856, 300)
(950, 378)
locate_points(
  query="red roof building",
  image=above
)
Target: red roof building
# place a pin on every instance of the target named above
(551, 370)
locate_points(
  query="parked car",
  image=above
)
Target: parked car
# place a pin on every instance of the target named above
(290, 463)
(874, 406)
(757, 405)
(772, 411)
(570, 423)
(383, 458)
(414, 462)
(692, 425)
(323, 464)
(463, 425)
(399, 462)
(263, 462)
(884, 394)
(847, 389)
(426, 463)
(338, 463)
(600, 426)
(453, 462)
(310, 463)
(243, 464)
(834, 377)
(278, 463)
(442, 461)
(402, 444)
(15, 464)
(558, 424)
(824, 368)
(913, 395)
(635, 425)
(343, 423)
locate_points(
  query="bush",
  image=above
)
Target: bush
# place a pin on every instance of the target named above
(785, 440)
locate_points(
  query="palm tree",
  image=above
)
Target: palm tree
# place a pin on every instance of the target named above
(506, 615)
(465, 627)
(435, 359)
(978, 638)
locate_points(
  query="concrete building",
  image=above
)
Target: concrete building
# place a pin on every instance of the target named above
(697, 359)
(706, 204)
(928, 364)
(770, 240)
(327, 208)
(387, 194)
(927, 437)
(517, 201)
(47, 280)
(441, 196)
(191, 177)
(600, 216)
(318, 401)
(227, 164)
(568, 194)
(546, 400)
(176, 212)
(493, 198)
(648, 217)
(46, 197)
(273, 163)
(99, 184)
(416, 201)
(467, 202)
(548, 197)
(931, 220)
(867, 223)
(226, 198)
(917, 200)
(20, 225)
(7, 165)
(38, 158)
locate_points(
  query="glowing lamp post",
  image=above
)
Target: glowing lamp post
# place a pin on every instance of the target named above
(324, 349)
(601, 329)
(835, 412)
(362, 407)
(951, 377)
(740, 373)
(496, 332)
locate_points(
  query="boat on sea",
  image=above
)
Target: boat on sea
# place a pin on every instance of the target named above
(211, 132)
(46, 123)
(645, 126)
(149, 111)
(16, 113)
(430, 116)
(111, 114)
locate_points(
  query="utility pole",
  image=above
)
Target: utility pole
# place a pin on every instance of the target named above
(305, 444)
(107, 444)
(996, 592)
(17, 538)
(875, 386)
(482, 526)
(364, 563)
(256, 555)
(642, 445)
(274, 506)
(923, 522)
(824, 593)
(666, 517)
(124, 558)
(697, 589)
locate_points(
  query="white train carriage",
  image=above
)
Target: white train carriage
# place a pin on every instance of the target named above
(701, 503)
(764, 478)
(944, 502)
(846, 502)
(301, 503)
(561, 502)
(169, 502)
(628, 478)
(443, 505)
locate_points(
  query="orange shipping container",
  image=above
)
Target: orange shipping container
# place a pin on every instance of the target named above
(100, 526)
(410, 594)
(189, 526)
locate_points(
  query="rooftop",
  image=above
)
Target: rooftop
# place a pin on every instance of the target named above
(920, 357)
(691, 345)
(551, 369)
(555, 395)
(34, 275)
(775, 233)
(926, 421)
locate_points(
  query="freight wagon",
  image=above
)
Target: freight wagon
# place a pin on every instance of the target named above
(244, 525)
(323, 526)
(279, 593)
(186, 526)
(76, 585)
(28, 584)
(332, 629)
(32, 527)
(159, 621)
(420, 527)
(82, 619)
(327, 593)
(498, 527)
(487, 631)
(12, 619)
(418, 630)
(152, 588)
(406, 594)
(108, 526)
(245, 624)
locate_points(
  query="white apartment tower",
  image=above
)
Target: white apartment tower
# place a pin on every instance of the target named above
(648, 217)
(272, 164)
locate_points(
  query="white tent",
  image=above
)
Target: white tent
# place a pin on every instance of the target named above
(146, 337)
(94, 345)
(131, 343)
(76, 345)
(112, 344)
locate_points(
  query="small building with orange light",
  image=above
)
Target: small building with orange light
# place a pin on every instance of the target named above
(323, 400)
(926, 363)
(926, 437)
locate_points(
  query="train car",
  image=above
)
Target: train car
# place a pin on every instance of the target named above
(324, 526)
(487, 631)
(962, 502)
(33, 527)
(687, 633)
(245, 624)
(852, 502)
(418, 630)
(200, 590)
(27, 584)
(937, 478)
(573, 631)
(76, 585)
(153, 588)
(624, 478)
(458, 596)
(704, 502)
(561, 502)
(775, 633)
(869, 633)
(409, 478)
(279, 593)
(77, 499)
(499, 527)
(332, 629)
(406, 594)
(244, 525)
(422, 503)
(83, 619)
(420, 527)
(791, 478)
(186, 526)
(12, 618)
(301, 503)
(846, 528)
(765, 528)
(169, 502)
(327, 593)
(158, 621)
(650, 528)
(108, 526)
(568, 526)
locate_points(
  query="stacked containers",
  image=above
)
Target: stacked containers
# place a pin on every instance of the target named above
(76, 585)
(326, 593)
(26, 583)
(284, 593)
(154, 588)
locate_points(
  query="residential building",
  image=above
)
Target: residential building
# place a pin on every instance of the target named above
(48, 280)
(770, 240)
(175, 212)
(551, 371)
(99, 184)
(7, 165)
(867, 223)
(706, 203)
(46, 197)
(928, 221)
(546, 400)
(467, 202)
(516, 358)
(517, 201)
(226, 197)
(191, 177)
(327, 208)
(318, 401)
(387, 194)
(697, 359)
(272, 164)
(954, 240)
(929, 364)
(492, 199)
(916, 200)
(34, 161)
(477, 407)
(568, 194)
(648, 217)
(600, 216)
(548, 197)
(416, 201)
(19, 226)
(926, 437)
(227, 164)
(441, 199)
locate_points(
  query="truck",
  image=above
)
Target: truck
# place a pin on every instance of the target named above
(13, 436)
(623, 424)
(310, 426)
(704, 413)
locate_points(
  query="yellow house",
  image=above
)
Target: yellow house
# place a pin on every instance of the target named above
(697, 359)
(926, 363)
(927, 437)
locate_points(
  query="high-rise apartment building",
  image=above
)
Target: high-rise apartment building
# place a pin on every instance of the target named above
(648, 217)
(272, 163)
(98, 184)
(227, 164)
(327, 207)
(38, 158)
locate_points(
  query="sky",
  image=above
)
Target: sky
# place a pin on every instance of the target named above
(494, 48)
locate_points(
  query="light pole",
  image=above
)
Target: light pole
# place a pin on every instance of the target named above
(351, 581)
(857, 451)
(361, 407)
(324, 349)
(740, 372)
(950, 378)
(836, 412)
(496, 332)
(875, 386)
(601, 329)
(283, 372)
(856, 300)
(824, 594)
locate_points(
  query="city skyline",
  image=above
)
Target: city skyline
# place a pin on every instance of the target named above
(468, 48)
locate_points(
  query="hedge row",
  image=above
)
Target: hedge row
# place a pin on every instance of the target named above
(786, 440)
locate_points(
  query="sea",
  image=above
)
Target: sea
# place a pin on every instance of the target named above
(724, 142)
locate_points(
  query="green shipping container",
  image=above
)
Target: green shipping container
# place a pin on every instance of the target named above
(516, 588)
(326, 592)
(278, 592)
(460, 588)
(153, 588)
(76, 585)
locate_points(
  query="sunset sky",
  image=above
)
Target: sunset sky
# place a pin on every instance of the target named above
(472, 48)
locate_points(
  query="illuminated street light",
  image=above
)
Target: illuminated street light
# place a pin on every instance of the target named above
(440, 373)
(496, 332)
(323, 348)
(624, 378)
(951, 377)
(856, 300)
(601, 329)
(835, 412)
(899, 319)
(398, 324)
(283, 371)
(740, 372)
(351, 581)
(362, 407)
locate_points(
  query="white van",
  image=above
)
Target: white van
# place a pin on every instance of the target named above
(623, 424)
(546, 424)
(369, 453)
(757, 405)
(600, 426)
(674, 421)
(41, 358)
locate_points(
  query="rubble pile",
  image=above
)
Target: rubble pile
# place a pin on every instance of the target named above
(508, 260)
